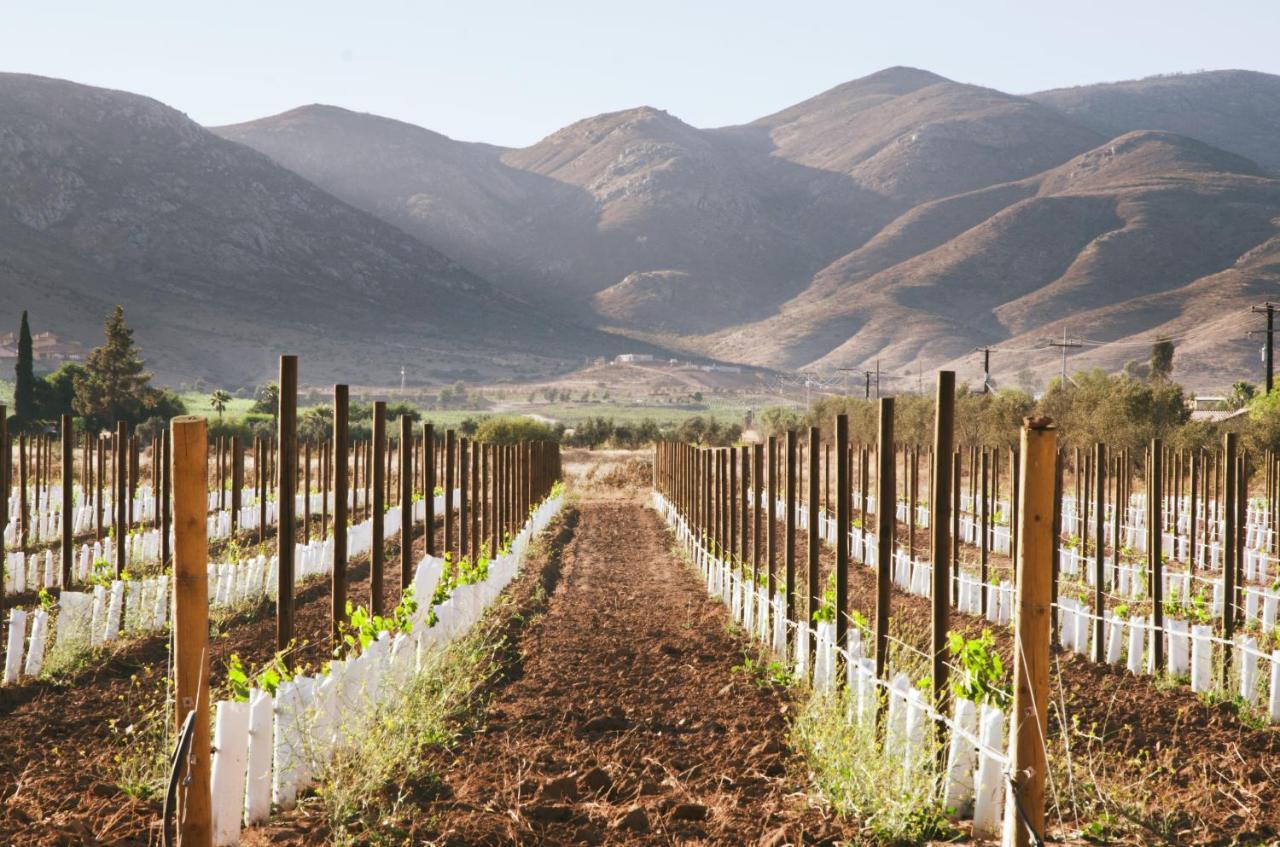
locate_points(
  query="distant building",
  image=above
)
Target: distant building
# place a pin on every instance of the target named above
(725, 369)
(632, 358)
(45, 347)
(1207, 403)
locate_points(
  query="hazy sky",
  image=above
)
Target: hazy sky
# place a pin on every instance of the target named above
(510, 72)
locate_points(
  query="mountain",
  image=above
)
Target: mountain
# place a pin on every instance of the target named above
(1124, 240)
(914, 136)
(901, 217)
(1238, 111)
(223, 259)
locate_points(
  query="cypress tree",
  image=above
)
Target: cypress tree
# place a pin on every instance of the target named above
(24, 389)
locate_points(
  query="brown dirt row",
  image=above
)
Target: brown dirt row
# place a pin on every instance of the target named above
(1165, 765)
(61, 743)
(626, 722)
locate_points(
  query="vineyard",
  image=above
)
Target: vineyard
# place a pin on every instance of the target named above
(426, 638)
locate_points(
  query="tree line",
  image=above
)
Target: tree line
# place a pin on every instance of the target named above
(111, 385)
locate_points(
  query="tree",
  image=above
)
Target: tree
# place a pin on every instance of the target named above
(56, 393)
(1241, 393)
(268, 400)
(219, 400)
(1161, 362)
(24, 388)
(115, 386)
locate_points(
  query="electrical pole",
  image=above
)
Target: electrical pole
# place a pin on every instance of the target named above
(1064, 344)
(986, 368)
(1268, 309)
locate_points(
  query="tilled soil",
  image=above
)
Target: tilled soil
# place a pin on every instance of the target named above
(627, 722)
(60, 744)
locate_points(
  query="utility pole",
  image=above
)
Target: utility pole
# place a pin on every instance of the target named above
(1064, 344)
(986, 368)
(1268, 309)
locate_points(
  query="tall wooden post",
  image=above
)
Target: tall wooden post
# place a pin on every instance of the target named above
(789, 553)
(191, 623)
(842, 539)
(1229, 538)
(286, 505)
(886, 504)
(306, 493)
(429, 486)
(166, 497)
(464, 498)
(1099, 547)
(1155, 515)
(68, 524)
(406, 502)
(771, 513)
(940, 532)
(1030, 731)
(377, 556)
(99, 486)
(341, 410)
(814, 538)
(477, 497)
(984, 530)
(450, 548)
(757, 487)
(122, 493)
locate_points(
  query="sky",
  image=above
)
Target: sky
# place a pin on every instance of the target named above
(512, 71)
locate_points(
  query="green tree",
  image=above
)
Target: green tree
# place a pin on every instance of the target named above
(268, 400)
(1161, 361)
(1241, 393)
(219, 400)
(24, 388)
(115, 385)
(56, 393)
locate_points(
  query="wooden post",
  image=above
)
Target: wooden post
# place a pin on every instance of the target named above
(286, 505)
(68, 445)
(940, 531)
(842, 540)
(341, 409)
(306, 494)
(789, 551)
(1029, 731)
(99, 486)
(886, 505)
(477, 498)
(450, 549)
(1155, 513)
(406, 502)
(1099, 547)
(771, 513)
(429, 487)
(191, 624)
(464, 500)
(1229, 536)
(1193, 512)
(757, 462)
(984, 542)
(814, 538)
(237, 481)
(166, 497)
(119, 512)
(377, 556)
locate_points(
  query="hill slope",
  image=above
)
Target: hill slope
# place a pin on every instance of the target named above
(1238, 111)
(222, 258)
(1119, 242)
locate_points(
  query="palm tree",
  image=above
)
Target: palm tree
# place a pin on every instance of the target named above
(219, 400)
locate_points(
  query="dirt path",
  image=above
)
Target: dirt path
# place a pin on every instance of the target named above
(626, 722)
